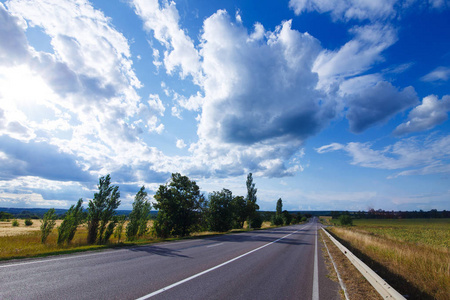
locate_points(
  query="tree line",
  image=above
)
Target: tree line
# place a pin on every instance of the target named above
(182, 209)
(384, 214)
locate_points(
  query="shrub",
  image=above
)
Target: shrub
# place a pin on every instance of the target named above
(15, 223)
(28, 222)
(345, 220)
(277, 220)
(256, 221)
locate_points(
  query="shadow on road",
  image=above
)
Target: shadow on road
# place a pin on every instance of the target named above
(162, 251)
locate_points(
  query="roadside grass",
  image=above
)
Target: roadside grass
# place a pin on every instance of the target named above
(413, 255)
(356, 285)
(24, 242)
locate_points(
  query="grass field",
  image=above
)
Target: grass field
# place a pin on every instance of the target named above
(25, 241)
(415, 251)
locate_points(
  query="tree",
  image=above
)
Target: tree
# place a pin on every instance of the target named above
(139, 216)
(47, 224)
(252, 207)
(101, 211)
(279, 207)
(119, 228)
(287, 218)
(220, 211)
(277, 219)
(68, 227)
(179, 204)
(345, 219)
(239, 208)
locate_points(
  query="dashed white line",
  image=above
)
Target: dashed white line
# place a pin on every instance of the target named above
(210, 269)
(214, 245)
(315, 294)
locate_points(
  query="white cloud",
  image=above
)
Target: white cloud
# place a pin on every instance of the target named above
(243, 75)
(81, 99)
(356, 56)
(438, 74)
(347, 9)
(156, 104)
(427, 115)
(163, 21)
(181, 144)
(416, 155)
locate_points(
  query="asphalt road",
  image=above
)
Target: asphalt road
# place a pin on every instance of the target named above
(267, 264)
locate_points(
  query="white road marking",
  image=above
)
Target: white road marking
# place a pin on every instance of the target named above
(335, 269)
(210, 269)
(214, 245)
(315, 294)
(56, 259)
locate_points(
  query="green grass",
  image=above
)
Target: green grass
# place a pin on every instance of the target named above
(430, 232)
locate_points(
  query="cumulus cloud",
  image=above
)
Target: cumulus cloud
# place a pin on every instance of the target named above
(416, 155)
(427, 115)
(438, 74)
(259, 92)
(73, 113)
(180, 144)
(377, 104)
(163, 22)
(14, 45)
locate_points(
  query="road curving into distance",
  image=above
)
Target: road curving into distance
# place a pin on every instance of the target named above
(279, 263)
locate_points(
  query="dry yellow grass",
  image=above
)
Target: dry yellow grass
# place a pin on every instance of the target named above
(425, 267)
(6, 228)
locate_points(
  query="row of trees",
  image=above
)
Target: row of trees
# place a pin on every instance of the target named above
(182, 209)
(283, 217)
(384, 214)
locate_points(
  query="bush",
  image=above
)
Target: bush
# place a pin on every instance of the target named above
(277, 221)
(256, 222)
(28, 222)
(15, 223)
(346, 220)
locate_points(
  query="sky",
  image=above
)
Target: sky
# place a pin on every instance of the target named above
(331, 104)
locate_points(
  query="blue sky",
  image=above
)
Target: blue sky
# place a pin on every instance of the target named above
(332, 105)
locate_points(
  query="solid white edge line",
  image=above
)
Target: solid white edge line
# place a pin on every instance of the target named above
(315, 292)
(211, 269)
(56, 259)
(335, 269)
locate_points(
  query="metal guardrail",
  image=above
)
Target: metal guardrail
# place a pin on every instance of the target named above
(381, 286)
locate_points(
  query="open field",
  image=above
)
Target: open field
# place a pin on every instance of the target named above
(25, 241)
(412, 251)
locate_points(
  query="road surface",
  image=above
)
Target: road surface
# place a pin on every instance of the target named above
(281, 263)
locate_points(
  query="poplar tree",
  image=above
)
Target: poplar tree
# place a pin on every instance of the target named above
(101, 211)
(252, 207)
(68, 227)
(139, 216)
(47, 224)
